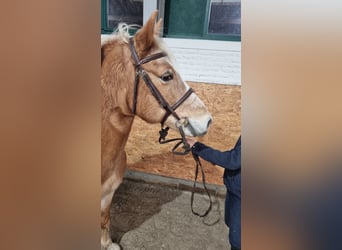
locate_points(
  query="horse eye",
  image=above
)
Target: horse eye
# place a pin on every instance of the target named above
(168, 76)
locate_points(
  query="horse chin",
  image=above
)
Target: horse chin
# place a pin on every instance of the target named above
(190, 131)
(193, 127)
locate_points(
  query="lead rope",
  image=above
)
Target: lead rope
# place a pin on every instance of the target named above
(199, 165)
(162, 140)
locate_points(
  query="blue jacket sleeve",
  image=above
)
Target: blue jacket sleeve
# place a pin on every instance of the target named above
(230, 159)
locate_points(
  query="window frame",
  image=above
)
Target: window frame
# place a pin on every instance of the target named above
(161, 3)
(104, 27)
(205, 34)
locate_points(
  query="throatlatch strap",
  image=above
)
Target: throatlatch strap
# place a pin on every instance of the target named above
(135, 95)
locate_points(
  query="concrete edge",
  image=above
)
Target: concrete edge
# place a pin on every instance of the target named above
(181, 184)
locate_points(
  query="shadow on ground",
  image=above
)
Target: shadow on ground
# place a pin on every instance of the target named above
(155, 216)
(133, 204)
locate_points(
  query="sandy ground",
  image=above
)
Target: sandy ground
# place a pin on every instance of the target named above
(145, 154)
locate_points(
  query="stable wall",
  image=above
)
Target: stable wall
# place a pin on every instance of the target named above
(207, 61)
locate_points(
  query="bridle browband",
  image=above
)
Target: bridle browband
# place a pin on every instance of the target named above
(170, 110)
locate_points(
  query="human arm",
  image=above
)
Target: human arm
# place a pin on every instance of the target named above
(230, 159)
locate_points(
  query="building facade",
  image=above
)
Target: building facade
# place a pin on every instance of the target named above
(203, 35)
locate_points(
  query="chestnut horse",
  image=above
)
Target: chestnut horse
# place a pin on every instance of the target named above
(124, 59)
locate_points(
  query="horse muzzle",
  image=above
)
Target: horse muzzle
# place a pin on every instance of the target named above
(195, 126)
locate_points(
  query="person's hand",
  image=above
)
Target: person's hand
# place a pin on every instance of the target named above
(190, 141)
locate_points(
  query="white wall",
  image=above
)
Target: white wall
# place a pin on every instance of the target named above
(205, 61)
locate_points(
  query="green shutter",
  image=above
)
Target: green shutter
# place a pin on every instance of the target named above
(190, 17)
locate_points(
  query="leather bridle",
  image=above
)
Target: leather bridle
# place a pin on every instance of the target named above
(170, 110)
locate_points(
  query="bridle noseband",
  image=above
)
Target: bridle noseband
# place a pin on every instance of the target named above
(170, 110)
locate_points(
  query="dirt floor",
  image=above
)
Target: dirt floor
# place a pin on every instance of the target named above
(145, 154)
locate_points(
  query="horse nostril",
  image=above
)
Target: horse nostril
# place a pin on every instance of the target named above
(209, 122)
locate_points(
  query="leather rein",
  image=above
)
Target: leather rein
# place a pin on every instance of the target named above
(170, 110)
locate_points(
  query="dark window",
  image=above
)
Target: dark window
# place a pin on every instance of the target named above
(225, 18)
(121, 11)
(203, 19)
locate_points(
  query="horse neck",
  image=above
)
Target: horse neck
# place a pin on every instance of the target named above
(117, 117)
(116, 128)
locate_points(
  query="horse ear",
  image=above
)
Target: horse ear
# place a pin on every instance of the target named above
(157, 29)
(145, 37)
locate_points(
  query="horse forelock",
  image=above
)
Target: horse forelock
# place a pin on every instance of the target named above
(121, 34)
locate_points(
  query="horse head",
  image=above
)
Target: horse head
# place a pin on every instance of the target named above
(158, 94)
